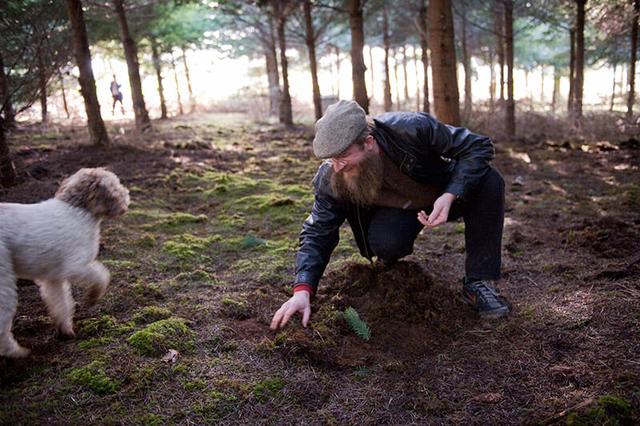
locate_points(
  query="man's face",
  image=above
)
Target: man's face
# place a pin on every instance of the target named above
(358, 173)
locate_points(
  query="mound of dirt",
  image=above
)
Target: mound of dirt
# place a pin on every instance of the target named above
(608, 237)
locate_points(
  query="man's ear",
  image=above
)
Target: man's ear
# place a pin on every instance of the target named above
(370, 143)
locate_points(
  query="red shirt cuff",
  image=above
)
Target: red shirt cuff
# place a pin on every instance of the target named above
(301, 287)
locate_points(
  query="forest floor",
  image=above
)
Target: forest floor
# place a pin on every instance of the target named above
(205, 256)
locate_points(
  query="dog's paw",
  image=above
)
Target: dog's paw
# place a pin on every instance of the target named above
(64, 333)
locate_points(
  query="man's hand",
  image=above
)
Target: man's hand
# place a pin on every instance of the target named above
(440, 212)
(299, 302)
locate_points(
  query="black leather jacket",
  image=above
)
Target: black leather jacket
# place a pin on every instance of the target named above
(424, 149)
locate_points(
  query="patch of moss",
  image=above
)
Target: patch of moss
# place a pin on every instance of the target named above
(105, 325)
(159, 336)
(267, 388)
(187, 246)
(235, 308)
(95, 342)
(195, 384)
(149, 291)
(146, 240)
(609, 410)
(93, 377)
(197, 275)
(151, 419)
(150, 314)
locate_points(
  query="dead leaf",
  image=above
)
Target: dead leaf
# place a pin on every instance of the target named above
(489, 398)
(171, 356)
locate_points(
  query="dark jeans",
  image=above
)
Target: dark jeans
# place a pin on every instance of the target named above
(391, 232)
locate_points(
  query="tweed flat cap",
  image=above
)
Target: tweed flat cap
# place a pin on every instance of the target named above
(338, 128)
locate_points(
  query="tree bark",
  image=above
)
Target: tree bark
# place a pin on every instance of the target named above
(579, 89)
(42, 77)
(613, 87)
(64, 95)
(572, 71)
(632, 62)
(466, 63)
(143, 122)
(175, 78)
(542, 84)
(388, 102)
(337, 50)
(6, 106)
(286, 113)
(417, 74)
(556, 88)
(97, 132)
(396, 80)
(358, 67)
(492, 82)
(424, 45)
(511, 104)
(187, 74)
(500, 42)
(157, 66)
(273, 75)
(405, 75)
(371, 74)
(443, 58)
(310, 40)
(7, 169)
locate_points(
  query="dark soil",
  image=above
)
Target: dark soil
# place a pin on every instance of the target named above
(210, 239)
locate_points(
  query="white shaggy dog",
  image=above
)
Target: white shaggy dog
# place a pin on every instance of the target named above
(56, 242)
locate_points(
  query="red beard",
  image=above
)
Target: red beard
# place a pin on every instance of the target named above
(361, 187)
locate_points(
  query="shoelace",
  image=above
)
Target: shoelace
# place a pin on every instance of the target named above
(485, 292)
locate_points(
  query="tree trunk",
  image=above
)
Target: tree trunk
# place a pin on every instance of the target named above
(443, 57)
(613, 88)
(492, 82)
(7, 169)
(500, 42)
(64, 95)
(286, 113)
(373, 82)
(466, 63)
(542, 85)
(572, 72)
(556, 88)
(311, 49)
(358, 68)
(396, 80)
(632, 62)
(424, 45)
(511, 104)
(143, 122)
(187, 74)
(42, 76)
(405, 75)
(337, 50)
(388, 102)
(579, 89)
(273, 75)
(155, 56)
(97, 131)
(175, 78)
(6, 106)
(415, 68)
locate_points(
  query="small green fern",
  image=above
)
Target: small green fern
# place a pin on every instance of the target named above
(357, 325)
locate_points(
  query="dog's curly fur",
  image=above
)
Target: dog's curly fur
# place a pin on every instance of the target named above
(56, 242)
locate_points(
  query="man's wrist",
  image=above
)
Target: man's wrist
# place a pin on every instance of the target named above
(303, 287)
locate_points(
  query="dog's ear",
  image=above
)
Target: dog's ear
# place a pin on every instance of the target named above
(110, 198)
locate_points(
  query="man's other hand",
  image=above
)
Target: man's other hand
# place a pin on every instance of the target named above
(299, 302)
(440, 212)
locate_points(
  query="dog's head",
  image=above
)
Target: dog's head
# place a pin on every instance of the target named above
(97, 190)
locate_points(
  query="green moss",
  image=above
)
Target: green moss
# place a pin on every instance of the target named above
(151, 419)
(120, 264)
(150, 314)
(197, 275)
(187, 246)
(235, 308)
(159, 336)
(609, 410)
(93, 377)
(195, 384)
(95, 342)
(268, 388)
(149, 291)
(146, 240)
(103, 325)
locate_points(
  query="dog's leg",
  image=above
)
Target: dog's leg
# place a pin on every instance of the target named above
(57, 296)
(8, 305)
(96, 277)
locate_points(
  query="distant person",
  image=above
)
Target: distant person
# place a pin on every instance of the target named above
(390, 177)
(116, 94)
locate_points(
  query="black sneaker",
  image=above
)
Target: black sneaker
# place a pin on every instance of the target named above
(484, 299)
